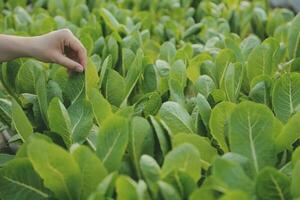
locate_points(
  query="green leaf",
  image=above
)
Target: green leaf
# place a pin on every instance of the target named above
(286, 96)
(140, 141)
(230, 175)
(75, 87)
(289, 133)
(28, 75)
(294, 38)
(5, 158)
(167, 52)
(223, 59)
(263, 59)
(18, 179)
(101, 108)
(81, 116)
(59, 120)
(105, 188)
(218, 123)
(20, 121)
(232, 82)
(204, 85)
(107, 64)
(175, 118)
(168, 191)
(91, 77)
(204, 109)
(271, 184)
(151, 173)
(5, 111)
(193, 69)
(184, 157)
(114, 87)
(92, 170)
(235, 195)
(178, 73)
(161, 135)
(250, 129)
(133, 74)
(41, 92)
(112, 141)
(295, 184)
(126, 189)
(56, 167)
(206, 151)
(109, 19)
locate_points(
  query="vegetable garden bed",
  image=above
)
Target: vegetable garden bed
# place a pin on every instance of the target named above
(181, 99)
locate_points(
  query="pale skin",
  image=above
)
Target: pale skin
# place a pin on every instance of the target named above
(60, 47)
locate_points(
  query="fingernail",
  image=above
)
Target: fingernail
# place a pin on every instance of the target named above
(79, 69)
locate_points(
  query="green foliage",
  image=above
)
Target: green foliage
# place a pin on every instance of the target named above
(180, 99)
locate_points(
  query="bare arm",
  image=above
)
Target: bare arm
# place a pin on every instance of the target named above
(60, 47)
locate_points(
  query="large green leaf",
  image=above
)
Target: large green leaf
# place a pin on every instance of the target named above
(28, 76)
(175, 118)
(114, 87)
(204, 85)
(230, 175)
(289, 133)
(232, 81)
(223, 59)
(140, 141)
(218, 123)
(91, 168)
(167, 52)
(151, 173)
(101, 108)
(161, 135)
(193, 69)
(20, 121)
(57, 168)
(91, 77)
(168, 191)
(206, 151)
(251, 134)
(81, 116)
(126, 189)
(286, 96)
(110, 20)
(19, 180)
(271, 184)
(294, 38)
(184, 157)
(74, 88)
(59, 120)
(112, 141)
(204, 109)
(133, 74)
(263, 59)
(41, 92)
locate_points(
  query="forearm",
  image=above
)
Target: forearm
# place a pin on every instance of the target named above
(12, 47)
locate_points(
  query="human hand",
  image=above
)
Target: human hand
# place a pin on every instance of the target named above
(60, 47)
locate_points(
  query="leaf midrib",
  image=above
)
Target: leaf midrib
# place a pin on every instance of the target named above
(27, 187)
(111, 148)
(252, 146)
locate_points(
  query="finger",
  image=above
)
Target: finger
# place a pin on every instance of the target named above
(68, 63)
(77, 47)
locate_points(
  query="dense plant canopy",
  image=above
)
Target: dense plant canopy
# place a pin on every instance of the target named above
(181, 99)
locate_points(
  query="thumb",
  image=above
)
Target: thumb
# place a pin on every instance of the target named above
(68, 63)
